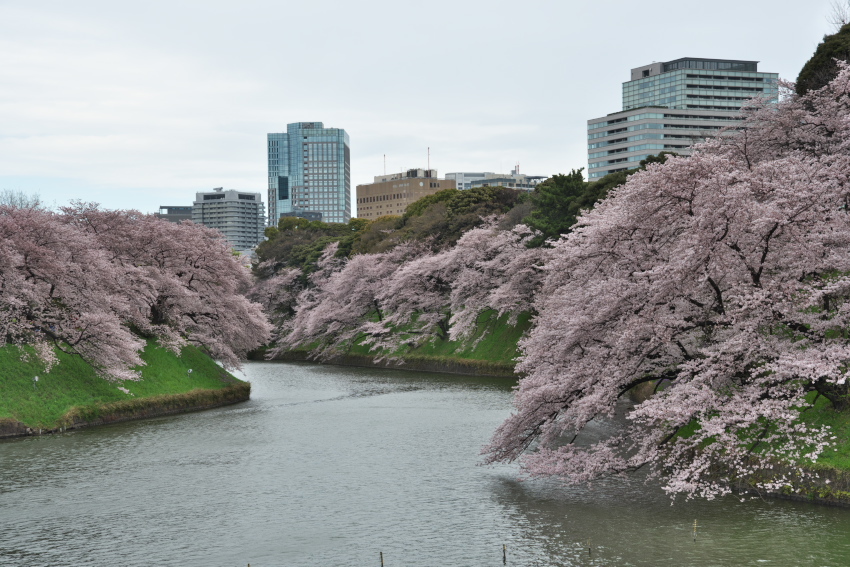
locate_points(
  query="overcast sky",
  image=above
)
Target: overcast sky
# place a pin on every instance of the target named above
(137, 105)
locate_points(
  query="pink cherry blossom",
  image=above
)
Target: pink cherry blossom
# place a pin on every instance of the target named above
(88, 281)
(722, 278)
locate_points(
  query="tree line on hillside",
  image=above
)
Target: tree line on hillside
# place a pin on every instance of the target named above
(441, 220)
(97, 283)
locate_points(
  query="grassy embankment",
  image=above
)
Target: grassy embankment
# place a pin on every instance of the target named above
(497, 344)
(833, 466)
(490, 351)
(72, 392)
(832, 482)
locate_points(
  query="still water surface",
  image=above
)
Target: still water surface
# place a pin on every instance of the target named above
(328, 466)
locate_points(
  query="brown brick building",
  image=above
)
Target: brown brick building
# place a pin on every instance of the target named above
(391, 194)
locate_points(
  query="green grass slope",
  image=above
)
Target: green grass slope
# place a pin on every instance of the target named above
(494, 340)
(839, 422)
(74, 384)
(491, 347)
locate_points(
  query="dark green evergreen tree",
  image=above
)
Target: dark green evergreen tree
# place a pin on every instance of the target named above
(557, 202)
(821, 68)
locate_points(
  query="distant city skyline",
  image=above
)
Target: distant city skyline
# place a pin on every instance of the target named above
(133, 108)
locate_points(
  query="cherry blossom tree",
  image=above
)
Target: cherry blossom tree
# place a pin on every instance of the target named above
(497, 271)
(722, 279)
(87, 281)
(416, 302)
(410, 294)
(181, 281)
(58, 290)
(276, 291)
(343, 304)
(441, 295)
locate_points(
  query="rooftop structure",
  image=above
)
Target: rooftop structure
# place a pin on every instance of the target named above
(464, 179)
(514, 180)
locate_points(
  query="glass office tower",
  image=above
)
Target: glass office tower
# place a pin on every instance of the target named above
(309, 173)
(670, 106)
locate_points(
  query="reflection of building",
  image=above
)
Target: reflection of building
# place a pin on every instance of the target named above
(236, 214)
(175, 214)
(670, 106)
(391, 194)
(309, 171)
(514, 179)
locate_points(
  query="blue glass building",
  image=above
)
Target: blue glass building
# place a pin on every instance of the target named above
(309, 173)
(672, 105)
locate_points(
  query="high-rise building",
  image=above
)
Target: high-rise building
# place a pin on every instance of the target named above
(391, 194)
(236, 214)
(309, 171)
(670, 106)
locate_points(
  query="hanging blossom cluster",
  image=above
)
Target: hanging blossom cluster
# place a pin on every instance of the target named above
(94, 282)
(405, 296)
(722, 279)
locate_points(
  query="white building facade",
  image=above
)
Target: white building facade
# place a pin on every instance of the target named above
(514, 179)
(464, 179)
(239, 215)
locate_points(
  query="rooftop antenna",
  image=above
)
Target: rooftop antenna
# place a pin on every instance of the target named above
(385, 164)
(429, 158)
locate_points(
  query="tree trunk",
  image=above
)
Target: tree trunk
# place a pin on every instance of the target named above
(838, 394)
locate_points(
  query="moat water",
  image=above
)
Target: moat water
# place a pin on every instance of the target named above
(330, 466)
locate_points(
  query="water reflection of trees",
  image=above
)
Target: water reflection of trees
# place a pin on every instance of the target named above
(630, 523)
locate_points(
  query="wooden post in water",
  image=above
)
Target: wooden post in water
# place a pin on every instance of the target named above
(589, 549)
(382, 558)
(695, 531)
(504, 554)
